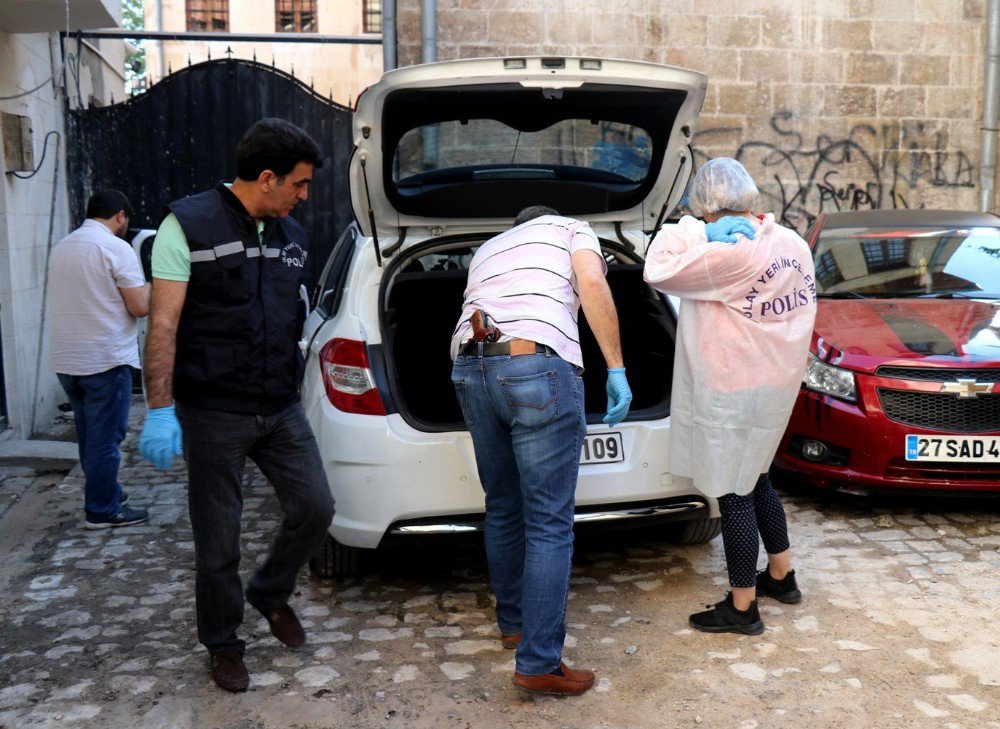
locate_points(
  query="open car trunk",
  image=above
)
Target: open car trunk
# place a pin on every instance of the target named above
(477, 140)
(421, 312)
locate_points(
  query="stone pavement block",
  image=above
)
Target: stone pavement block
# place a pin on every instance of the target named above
(40, 455)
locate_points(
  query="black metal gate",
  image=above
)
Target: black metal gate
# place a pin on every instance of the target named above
(180, 137)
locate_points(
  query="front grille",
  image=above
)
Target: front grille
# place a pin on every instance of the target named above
(934, 374)
(946, 412)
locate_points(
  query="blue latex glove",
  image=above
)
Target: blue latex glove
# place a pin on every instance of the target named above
(619, 396)
(725, 230)
(160, 439)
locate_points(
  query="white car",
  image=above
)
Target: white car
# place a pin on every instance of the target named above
(142, 243)
(445, 156)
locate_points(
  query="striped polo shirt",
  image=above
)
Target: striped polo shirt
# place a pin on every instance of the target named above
(523, 279)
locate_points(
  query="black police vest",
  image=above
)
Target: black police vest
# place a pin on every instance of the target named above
(237, 340)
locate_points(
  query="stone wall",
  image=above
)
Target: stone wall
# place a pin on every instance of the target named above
(832, 106)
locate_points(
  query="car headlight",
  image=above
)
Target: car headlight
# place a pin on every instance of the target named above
(830, 380)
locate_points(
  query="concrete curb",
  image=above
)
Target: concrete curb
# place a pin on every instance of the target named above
(41, 455)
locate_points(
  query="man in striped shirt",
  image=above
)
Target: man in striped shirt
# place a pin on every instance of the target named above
(522, 398)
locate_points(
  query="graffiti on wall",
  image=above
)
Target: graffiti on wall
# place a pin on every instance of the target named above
(886, 166)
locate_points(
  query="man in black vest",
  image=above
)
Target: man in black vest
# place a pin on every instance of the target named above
(223, 347)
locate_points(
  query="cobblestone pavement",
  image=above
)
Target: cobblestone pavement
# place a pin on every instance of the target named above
(899, 626)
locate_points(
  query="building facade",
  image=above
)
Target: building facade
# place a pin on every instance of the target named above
(339, 71)
(846, 104)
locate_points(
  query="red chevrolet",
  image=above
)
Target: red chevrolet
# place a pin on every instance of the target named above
(902, 388)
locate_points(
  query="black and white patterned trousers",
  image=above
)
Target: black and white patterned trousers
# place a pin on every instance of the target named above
(743, 518)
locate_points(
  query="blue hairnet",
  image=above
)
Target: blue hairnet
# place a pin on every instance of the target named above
(722, 184)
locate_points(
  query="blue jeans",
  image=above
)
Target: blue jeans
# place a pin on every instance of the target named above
(100, 414)
(216, 448)
(526, 418)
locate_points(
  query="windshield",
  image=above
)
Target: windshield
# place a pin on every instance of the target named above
(924, 262)
(498, 151)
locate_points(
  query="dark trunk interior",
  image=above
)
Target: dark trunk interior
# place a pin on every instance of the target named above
(422, 312)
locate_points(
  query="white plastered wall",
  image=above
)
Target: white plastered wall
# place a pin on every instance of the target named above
(34, 212)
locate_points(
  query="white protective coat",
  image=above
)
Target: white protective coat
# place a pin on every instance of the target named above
(746, 321)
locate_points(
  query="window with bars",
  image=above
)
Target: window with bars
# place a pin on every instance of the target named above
(295, 16)
(827, 271)
(372, 18)
(884, 255)
(208, 15)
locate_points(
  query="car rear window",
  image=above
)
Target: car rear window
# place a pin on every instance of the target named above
(488, 151)
(498, 151)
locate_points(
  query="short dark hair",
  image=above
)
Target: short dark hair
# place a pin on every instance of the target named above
(106, 204)
(277, 145)
(533, 211)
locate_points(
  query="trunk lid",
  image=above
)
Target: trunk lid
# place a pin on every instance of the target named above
(464, 145)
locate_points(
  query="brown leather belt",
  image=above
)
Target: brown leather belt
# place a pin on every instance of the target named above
(512, 347)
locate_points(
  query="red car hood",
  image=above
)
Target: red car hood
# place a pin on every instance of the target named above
(863, 334)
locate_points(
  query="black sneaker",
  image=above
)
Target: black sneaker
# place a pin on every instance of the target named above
(723, 617)
(784, 590)
(124, 517)
(122, 498)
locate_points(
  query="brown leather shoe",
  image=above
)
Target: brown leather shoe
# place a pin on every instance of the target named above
(510, 642)
(285, 626)
(570, 683)
(228, 671)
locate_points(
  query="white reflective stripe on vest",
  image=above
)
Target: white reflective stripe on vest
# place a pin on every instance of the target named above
(223, 249)
(272, 252)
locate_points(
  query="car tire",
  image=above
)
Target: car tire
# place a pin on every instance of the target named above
(695, 531)
(334, 559)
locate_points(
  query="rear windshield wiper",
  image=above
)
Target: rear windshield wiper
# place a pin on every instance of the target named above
(514, 173)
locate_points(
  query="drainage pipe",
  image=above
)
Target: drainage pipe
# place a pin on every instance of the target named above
(428, 32)
(991, 94)
(161, 56)
(388, 35)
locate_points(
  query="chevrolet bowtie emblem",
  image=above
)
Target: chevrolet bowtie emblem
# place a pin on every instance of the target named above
(966, 388)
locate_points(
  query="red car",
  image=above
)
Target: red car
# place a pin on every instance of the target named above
(902, 388)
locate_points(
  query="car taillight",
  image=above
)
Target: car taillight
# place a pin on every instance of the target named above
(348, 379)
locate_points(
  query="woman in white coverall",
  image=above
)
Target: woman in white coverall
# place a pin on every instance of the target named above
(749, 302)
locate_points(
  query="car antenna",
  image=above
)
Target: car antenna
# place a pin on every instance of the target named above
(371, 214)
